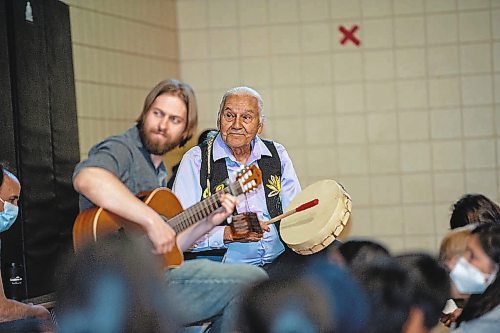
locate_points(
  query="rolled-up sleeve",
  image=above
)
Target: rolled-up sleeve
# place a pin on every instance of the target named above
(111, 155)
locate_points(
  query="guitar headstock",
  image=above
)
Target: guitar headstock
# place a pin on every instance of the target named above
(248, 178)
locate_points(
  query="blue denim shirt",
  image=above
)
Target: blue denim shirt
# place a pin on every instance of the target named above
(188, 190)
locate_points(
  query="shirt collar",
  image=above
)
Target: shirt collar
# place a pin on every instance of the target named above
(221, 150)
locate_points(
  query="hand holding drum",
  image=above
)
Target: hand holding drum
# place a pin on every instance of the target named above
(246, 227)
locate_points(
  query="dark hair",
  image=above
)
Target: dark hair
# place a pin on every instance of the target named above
(360, 251)
(3, 173)
(431, 285)
(115, 280)
(474, 208)
(387, 285)
(479, 304)
(184, 92)
(279, 305)
(207, 134)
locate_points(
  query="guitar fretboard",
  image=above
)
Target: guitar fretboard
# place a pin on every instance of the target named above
(197, 212)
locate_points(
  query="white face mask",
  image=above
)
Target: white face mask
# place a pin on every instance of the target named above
(470, 280)
(8, 215)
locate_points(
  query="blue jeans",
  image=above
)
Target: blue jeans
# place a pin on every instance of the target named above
(205, 290)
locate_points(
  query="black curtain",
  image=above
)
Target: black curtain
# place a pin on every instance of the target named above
(39, 136)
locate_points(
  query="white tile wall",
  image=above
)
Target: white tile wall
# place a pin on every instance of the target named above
(447, 155)
(433, 6)
(315, 37)
(475, 58)
(443, 60)
(448, 187)
(314, 10)
(442, 28)
(474, 26)
(446, 123)
(415, 156)
(408, 7)
(477, 89)
(409, 31)
(384, 158)
(408, 121)
(417, 188)
(412, 94)
(382, 127)
(414, 125)
(478, 121)
(380, 96)
(410, 63)
(223, 43)
(444, 92)
(348, 66)
(379, 65)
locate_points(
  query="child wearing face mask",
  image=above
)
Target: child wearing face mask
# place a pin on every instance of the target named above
(476, 273)
(451, 250)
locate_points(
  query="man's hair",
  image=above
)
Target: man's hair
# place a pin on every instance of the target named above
(6, 171)
(387, 285)
(242, 91)
(278, 305)
(431, 285)
(185, 93)
(361, 251)
(474, 208)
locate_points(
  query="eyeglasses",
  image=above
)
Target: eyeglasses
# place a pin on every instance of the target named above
(230, 117)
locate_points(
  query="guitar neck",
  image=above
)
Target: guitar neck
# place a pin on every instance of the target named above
(199, 211)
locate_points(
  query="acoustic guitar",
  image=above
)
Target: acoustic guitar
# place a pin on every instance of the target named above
(94, 223)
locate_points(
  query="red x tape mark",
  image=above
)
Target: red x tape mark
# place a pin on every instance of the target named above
(349, 35)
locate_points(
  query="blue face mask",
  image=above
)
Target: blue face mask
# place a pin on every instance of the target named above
(470, 280)
(8, 215)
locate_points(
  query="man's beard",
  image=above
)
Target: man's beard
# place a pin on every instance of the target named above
(156, 148)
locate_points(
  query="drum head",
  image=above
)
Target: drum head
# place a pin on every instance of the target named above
(313, 229)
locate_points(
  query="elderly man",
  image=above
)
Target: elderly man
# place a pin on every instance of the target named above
(10, 190)
(203, 169)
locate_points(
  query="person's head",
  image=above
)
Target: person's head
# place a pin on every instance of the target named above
(361, 251)
(472, 209)
(453, 245)
(10, 189)
(206, 135)
(483, 248)
(169, 117)
(114, 285)
(351, 308)
(479, 271)
(240, 116)
(388, 287)
(292, 306)
(431, 289)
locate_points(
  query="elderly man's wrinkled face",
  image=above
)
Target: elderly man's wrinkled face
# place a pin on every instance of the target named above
(239, 120)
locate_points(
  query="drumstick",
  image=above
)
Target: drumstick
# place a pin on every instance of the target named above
(302, 207)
